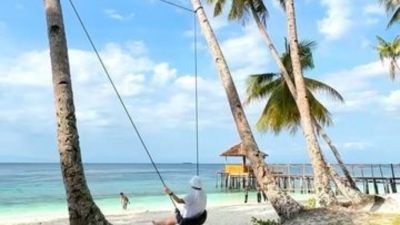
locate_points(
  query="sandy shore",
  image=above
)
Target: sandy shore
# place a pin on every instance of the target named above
(241, 214)
(233, 215)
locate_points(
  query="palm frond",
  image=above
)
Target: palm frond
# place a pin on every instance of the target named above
(218, 6)
(395, 17)
(261, 86)
(389, 5)
(260, 9)
(239, 11)
(282, 4)
(315, 85)
(319, 112)
(389, 51)
(306, 57)
(279, 113)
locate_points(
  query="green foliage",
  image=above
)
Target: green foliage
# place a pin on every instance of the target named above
(256, 221)
(389, 51)
(311, 203)
(281, 111)
(241, 9)
(392, 6)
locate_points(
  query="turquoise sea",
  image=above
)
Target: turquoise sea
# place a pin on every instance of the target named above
(36, 190)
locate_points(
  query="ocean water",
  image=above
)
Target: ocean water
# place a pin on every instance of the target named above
(36, 190)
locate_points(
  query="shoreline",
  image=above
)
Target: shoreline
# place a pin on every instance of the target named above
(222, 203)
(217, 215)
(228, 213)
(42, 212)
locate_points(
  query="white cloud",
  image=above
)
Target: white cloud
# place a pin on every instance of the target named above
(132, 85)
(357, 78)
(29, 69)
(187, 84)
(357, 145)
(114, 14)
(355, 85)
(337, 21)
(137, 48)
(373, 12)
(27, 80)
(163, 73)
(359, 86)
(392, 102)
(374, 9)
(246, 54)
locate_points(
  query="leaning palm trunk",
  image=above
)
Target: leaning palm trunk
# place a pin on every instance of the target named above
(320, 131)
(284, 205)
(325, 196)
(81, 207)
(321, 175)
(321, 170)
(268, 41)
(292, 89)
(354, 195)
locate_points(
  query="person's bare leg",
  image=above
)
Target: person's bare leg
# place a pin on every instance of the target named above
(168, 221)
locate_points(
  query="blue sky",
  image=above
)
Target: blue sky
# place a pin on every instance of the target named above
(148, 48)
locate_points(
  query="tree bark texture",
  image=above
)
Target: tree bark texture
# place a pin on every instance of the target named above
(81, 207)
(320, 130)
(324, 193)
(355, 196)
(284, 205)
(274, 52)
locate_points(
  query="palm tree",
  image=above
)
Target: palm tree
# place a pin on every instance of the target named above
(81, 207)
(239, 9)
(392, 6)
(389, 51)
(321, 169)
(284, 205)
(281, 111)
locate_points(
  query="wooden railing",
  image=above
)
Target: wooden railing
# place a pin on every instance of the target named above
(381, 178)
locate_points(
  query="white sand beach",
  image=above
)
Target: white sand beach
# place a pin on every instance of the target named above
(234, 215)
(241, 214)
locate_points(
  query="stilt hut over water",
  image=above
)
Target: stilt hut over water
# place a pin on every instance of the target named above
(237, 175)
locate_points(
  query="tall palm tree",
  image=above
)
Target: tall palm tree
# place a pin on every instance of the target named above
(392, 6)
(239, 8)
(321, 169)
(284, 205)
(281, 111)
(81, 207)
(389, 51)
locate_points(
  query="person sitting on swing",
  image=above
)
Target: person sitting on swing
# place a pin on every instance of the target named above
(194, 203)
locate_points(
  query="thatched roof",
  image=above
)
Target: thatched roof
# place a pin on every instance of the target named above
(238, 150)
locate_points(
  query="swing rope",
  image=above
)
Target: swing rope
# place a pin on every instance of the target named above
(136, 130)
(195, 63)
(196, 95)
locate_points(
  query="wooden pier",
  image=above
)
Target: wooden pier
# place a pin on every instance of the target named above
(298, 178)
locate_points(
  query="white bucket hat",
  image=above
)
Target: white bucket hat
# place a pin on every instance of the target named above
(195, 182)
